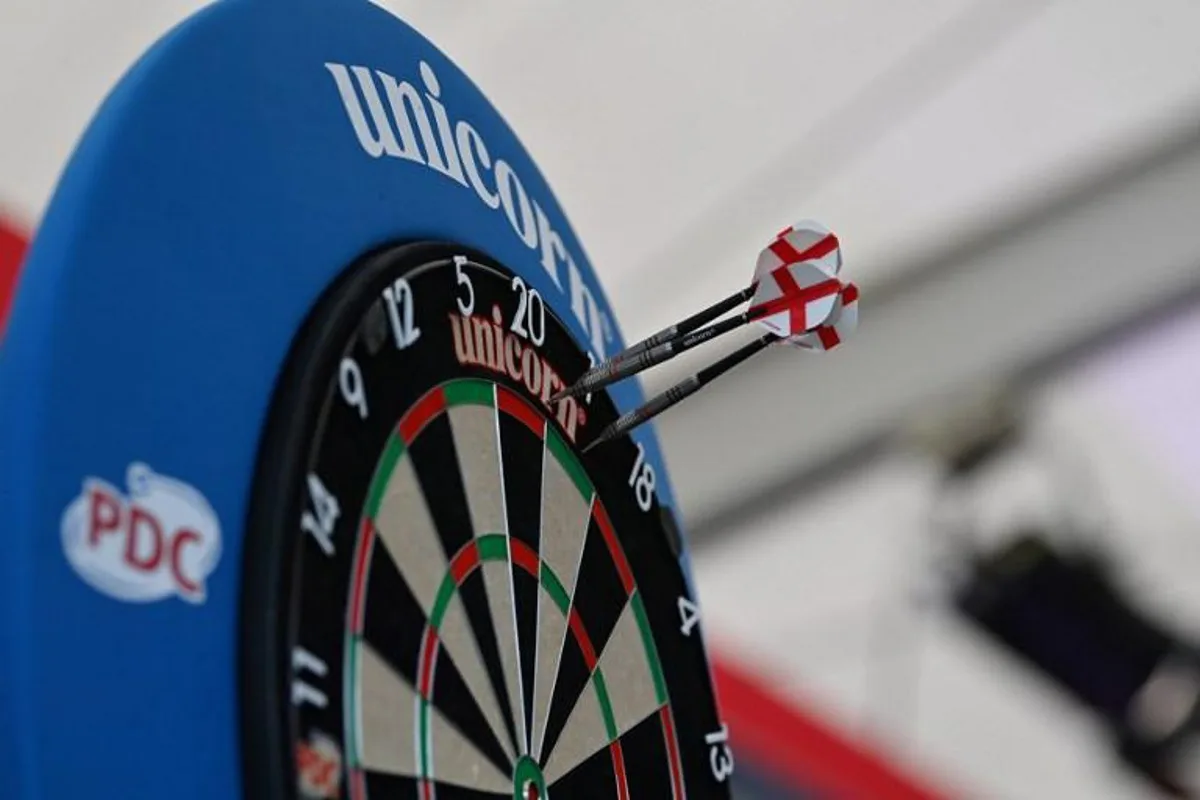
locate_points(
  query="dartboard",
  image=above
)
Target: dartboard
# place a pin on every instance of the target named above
(458, 603)
(289, 511)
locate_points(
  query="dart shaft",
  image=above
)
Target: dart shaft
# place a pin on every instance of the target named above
(719, 368)
(633, 359)
(680, 391)
(687, 325)
(655, 406)
(613, 371)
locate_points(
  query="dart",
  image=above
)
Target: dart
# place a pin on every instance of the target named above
(838, 327)
(796, 295)
(642, 356)
(671, 332)
(793, 290)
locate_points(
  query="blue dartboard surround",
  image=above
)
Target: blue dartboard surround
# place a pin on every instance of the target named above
(218, 191)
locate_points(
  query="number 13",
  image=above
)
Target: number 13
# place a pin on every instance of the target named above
(720, 757)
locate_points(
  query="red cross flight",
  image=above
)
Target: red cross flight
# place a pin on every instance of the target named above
(796, 296)
(796, 280)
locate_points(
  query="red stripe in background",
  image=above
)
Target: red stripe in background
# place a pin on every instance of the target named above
(768, 728)
(12, 250)
(803, 753)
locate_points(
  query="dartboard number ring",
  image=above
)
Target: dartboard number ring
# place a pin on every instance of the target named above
(443, 597)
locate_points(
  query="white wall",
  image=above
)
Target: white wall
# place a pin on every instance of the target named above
(837, 592)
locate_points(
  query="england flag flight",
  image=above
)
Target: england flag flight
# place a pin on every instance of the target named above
(796, 296)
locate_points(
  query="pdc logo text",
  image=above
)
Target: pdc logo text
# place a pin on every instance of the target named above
(158, 538)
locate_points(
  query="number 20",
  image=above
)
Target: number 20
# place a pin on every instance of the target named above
(530, 319)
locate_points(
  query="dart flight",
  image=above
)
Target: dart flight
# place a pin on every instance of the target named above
(796, 295)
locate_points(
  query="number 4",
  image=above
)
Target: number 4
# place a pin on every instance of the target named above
(689, 613)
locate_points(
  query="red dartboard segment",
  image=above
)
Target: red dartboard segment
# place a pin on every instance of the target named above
(516, 407)
(581, 637)
(668, 726)
(424, 410)
(618, 758)
(614, 547)
(464, 563)
(358, 784)
(429, 648)
(362, 558)
(523, 556)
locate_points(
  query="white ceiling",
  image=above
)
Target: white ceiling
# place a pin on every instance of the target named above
(680, 134)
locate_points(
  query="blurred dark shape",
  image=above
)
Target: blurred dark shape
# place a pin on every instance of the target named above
(1059, 608)
(1064, 616)
(970, 433)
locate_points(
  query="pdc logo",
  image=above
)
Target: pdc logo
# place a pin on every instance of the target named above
(159, 539)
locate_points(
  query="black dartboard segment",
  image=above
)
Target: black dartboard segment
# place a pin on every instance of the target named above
(443, 598)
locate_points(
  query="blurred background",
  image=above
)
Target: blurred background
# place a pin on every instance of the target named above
(955, 558)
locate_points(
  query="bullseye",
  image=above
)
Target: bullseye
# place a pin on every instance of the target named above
(529, 784)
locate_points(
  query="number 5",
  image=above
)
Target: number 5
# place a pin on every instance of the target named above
(467, 306)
